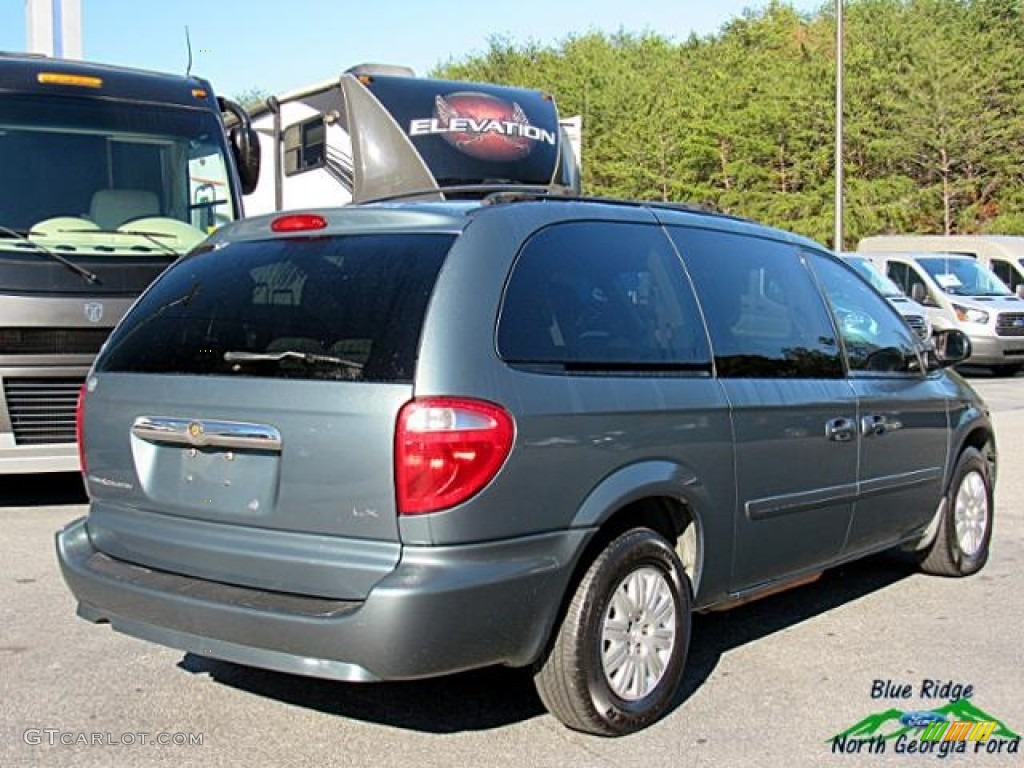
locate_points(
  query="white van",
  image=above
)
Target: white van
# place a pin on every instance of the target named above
(1003, 254)
(960, 292)
(913, 313)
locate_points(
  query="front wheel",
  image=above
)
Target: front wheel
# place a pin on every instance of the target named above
(961, 543)
(618, 656)
(1006, 370)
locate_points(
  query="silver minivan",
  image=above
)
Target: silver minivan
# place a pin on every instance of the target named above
(961, 292)
(399, 440)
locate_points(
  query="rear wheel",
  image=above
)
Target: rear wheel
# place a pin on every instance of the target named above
(961, 542)
(619, 654)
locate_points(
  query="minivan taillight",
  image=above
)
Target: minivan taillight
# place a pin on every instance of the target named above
(446, 450)
(78, 427)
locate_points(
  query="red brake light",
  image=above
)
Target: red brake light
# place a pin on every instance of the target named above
(446, 450)
(298, 222)
(78, 427)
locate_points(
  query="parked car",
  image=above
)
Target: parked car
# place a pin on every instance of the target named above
(1003, 254)
(913, 313)
(394, 441)
(960, 292)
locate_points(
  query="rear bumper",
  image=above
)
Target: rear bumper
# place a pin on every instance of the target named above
(442, 610)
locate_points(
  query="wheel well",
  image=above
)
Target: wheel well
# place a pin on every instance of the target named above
(981, 440)
(670, 517)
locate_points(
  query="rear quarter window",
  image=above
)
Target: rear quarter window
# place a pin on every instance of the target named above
(345, 307)
(602, 296)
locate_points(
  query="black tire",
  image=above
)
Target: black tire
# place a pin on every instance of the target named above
(572, 680)
(1006, 370)
(962, 553)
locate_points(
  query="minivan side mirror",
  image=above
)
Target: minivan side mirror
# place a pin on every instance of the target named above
(1020, 290)
(948, 347)
(919, 293)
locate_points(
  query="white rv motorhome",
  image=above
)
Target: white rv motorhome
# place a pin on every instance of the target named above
(378, 131)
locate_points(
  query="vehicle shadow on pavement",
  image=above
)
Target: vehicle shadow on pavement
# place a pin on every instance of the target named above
(714, 634)
(497, 697)
(470, 701)
(42, 490)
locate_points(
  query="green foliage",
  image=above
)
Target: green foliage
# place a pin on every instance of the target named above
(744, 119)
(251, 98)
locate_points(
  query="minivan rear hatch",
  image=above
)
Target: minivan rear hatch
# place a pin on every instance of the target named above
(239, 424)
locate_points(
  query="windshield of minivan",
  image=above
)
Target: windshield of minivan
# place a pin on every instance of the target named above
(873, 275)
(963, 276)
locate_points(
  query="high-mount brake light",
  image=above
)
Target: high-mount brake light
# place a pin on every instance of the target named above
(298, 222)
(446, 450)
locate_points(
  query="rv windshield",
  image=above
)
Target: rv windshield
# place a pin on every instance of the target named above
(874, 275)
(100, 179)
(959, 276)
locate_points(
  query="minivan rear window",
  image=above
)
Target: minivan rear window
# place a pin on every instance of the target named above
(342, 307)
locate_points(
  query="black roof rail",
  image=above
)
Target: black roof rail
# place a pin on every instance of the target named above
(481, 192)
(548, 194)
(504, 193)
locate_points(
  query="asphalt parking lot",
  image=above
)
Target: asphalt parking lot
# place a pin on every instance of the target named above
(768, 684)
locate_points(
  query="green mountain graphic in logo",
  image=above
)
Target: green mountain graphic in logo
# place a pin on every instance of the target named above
(887, 723)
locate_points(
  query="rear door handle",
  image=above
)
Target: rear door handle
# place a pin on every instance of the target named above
(841, 430)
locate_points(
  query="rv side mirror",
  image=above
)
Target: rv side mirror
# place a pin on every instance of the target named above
(918, 293)
(948, 347)
(245, 146)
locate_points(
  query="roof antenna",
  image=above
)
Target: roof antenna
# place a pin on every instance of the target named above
(188, 44)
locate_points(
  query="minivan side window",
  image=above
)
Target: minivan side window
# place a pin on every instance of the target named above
(765, 314)
(594, 296)
(875, 338)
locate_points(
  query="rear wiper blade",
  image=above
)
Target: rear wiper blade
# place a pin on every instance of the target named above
(310, 358)
(90, 276)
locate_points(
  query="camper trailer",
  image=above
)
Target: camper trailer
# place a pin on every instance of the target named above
(378, 132)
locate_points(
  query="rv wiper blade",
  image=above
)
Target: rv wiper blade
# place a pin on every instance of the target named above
(90, 276)
(147, 235)
(310, 358)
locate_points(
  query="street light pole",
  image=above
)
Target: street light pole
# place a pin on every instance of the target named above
(837, 238)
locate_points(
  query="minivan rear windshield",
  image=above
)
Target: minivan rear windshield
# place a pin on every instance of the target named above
(342, 308)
